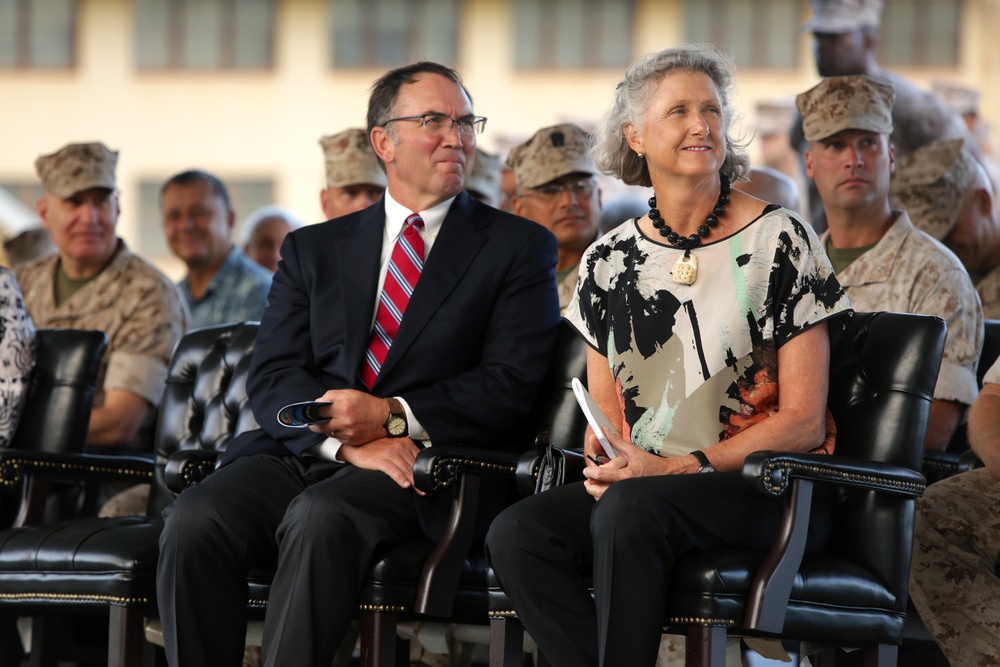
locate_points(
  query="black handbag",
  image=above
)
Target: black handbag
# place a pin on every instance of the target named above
(556, 466)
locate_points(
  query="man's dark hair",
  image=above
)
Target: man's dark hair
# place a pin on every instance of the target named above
(193, 176)
(385, 91)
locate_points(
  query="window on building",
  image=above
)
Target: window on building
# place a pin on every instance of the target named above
(919, 33)
(246, 196)
(389, 33)
(204, 34)
(572, 34)
(38, 34)
(758, 34)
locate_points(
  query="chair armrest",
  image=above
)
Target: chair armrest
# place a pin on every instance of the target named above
(968, 461)
(437, 468)
(792, 476)
(185, 467)
(939, 465)
(771, 472)
(16, 464)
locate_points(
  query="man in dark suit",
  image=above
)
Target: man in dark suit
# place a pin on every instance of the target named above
(473, 342)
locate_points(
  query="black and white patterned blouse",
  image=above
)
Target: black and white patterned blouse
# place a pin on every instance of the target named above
(17, 354)
(695, 364)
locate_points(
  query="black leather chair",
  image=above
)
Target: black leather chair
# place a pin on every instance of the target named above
(109, 565)
(447, 580)
(53, 424)
(939, 465)
(54, 419)
(853, 594)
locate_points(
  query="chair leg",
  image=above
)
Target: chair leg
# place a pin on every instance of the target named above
(44, 639)
(883, 655)
(127, 646)
(706, 646)
(380, 644)
(506, 642)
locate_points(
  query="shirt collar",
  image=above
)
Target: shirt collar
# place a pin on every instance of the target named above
(396, 215)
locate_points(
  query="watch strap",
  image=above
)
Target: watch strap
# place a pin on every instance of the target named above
(702, 459)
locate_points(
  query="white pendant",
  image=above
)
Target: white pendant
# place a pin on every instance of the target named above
(685, 271)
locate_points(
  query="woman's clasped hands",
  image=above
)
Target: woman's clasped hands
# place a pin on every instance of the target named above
(630, 462)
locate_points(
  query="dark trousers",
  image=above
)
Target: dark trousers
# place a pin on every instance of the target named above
(546, 550)
(321, 522)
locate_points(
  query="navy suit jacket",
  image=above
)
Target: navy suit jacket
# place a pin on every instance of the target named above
(474, 344)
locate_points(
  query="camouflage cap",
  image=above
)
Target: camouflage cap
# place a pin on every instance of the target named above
(77, 167)
(839, 16)
(485, 176)
(838, 103)
(775, 117)
(552, 152)
(350, 159)
(930, 184)
(963, 99)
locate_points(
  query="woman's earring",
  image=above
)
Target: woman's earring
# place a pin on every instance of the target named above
(640, 155)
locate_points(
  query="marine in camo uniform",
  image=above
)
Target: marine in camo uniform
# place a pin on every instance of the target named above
(845, 40)
(880, 258)
(354, 177)
(95, 282)
(954, 579)
(948, 194)
(557, 188)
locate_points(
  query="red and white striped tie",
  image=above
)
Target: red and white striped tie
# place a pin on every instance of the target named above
(405, 265)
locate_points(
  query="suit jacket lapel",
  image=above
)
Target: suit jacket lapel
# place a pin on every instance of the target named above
(461, 237)
(358, 255)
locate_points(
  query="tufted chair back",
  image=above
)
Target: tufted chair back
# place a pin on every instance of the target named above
(204, 403)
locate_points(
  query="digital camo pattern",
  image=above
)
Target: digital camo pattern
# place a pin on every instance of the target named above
(989, 293)
(17, 355)
(697, 364)
(135, 305)
(909, 272)
(77, 167)
(953, 580)
(930, 184)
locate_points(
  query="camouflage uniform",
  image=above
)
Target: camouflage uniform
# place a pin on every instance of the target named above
(909, 272)
(567, 288)
(134, 304)
(989, 292)
(956, 552)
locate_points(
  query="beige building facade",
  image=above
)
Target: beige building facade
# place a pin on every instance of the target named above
(258, 127)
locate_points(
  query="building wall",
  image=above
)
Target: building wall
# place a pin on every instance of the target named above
(253, 125)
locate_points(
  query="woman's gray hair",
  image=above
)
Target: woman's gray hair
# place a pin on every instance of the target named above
(264, 213)
(634, 95)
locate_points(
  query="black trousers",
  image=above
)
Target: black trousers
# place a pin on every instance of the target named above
(548, 548)
(321, 522)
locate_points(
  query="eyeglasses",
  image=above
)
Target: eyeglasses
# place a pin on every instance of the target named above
(439, 123)
(581, 187)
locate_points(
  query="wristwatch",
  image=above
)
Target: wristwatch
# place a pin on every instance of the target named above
(706, 465)
(396, 425)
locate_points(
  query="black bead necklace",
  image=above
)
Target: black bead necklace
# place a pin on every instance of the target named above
(694, 240)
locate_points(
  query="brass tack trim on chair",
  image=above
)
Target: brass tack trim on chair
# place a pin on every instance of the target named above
(255, 603)
(10, 473)
(16, 464)
(782, 466)
(383, 608)
(69, 597)
(196, 471)
(502, 614)
(445, 471)
(698, 620)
